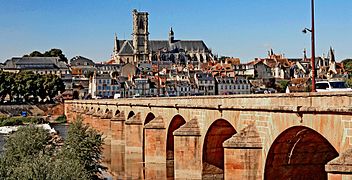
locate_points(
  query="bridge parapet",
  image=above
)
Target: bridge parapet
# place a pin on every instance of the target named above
(306, 102)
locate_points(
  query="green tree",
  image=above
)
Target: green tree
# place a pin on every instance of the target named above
(53, 85)
(281, 86)
(10, 85)
(32, 153)
(51, 53)
(85, 144)
(349, 82)
(36, 54)
(3, 86)
(347, 63)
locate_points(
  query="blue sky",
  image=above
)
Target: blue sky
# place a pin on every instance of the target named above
(239, 28)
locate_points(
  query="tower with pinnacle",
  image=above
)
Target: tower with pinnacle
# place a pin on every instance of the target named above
(140, 36)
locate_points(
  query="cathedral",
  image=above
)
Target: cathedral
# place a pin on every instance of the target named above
(142, 50)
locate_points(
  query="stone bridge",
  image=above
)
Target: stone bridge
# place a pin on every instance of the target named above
(276, 136)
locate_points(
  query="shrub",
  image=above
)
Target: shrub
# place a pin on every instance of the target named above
(31, 153)
(61, 119)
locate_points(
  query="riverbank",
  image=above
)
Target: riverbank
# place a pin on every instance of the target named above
(11, 129)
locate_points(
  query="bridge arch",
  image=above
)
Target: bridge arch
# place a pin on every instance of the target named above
(130, 114)
(299, 152)
(176, 122)
(117, 112)
(213, 150)
(150, 116)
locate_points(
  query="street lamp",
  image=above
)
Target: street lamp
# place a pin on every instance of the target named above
(312, 31)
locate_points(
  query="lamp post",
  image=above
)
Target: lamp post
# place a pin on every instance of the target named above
(312, 31)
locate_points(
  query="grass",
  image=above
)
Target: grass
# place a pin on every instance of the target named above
(19, 120)
(61, 119)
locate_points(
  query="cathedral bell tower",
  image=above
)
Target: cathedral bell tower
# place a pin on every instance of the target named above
(140, 36)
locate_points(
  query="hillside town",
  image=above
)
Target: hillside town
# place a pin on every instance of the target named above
(141, 67)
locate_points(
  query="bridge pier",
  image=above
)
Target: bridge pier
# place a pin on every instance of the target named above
(104, 124)
(155, 171)
(95, 120)
(69, 113)
(133, 134)
(117, 128)
(188, 151)
(155, 144)
(133, 147)
(340, 168)
(243, 155)
(87, 119)
(118, 145)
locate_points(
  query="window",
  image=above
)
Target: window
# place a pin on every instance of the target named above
(221, 87)
(108, 81)
(108, 88)
(99, 87)
(322, 85)
(104, 81)
(99, 81)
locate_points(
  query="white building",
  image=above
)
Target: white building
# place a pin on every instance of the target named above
(230, 85)
(102, 85)
(205, 83)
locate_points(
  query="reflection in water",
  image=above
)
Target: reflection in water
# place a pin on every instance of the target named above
(117, 166)
(170, 169)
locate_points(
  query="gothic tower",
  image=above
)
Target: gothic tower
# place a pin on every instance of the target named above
(171, 36)
(116, 50)
(140, 36)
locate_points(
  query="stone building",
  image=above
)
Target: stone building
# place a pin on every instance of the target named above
(38, 65)
(104, 86)
(232, 85)
(82, 66)
(140, 49)
(205, 83)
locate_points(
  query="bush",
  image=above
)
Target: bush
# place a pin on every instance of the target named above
(13, 121)
(32, 153)
(85, 144)
(61, 119)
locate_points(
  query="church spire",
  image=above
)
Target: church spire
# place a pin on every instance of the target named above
(171, 36)
(116, 45)
(304, 54)
(332, 55)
